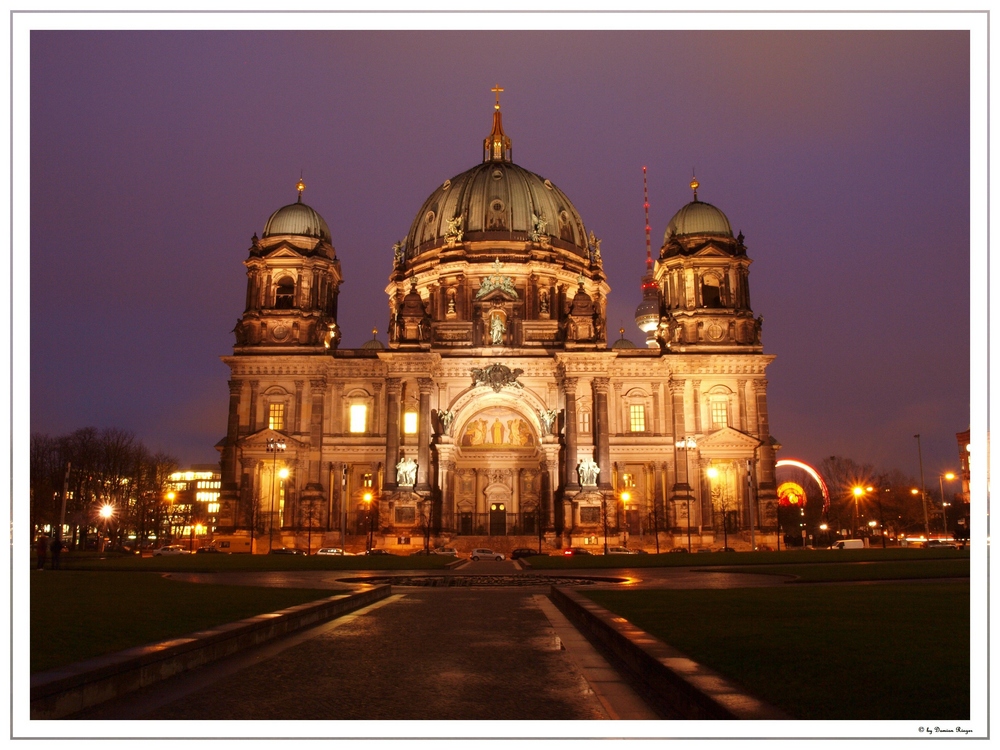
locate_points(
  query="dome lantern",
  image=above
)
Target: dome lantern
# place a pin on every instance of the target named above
(496, 146)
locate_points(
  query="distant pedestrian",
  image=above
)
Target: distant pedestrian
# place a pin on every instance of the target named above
(56, 549)
(42, 550)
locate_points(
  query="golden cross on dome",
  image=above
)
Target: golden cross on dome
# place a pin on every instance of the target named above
(497, 90)
(300, 186)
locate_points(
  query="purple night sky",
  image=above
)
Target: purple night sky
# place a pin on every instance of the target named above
(843, 157)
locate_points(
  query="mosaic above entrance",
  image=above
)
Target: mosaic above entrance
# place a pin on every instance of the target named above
(498, 428)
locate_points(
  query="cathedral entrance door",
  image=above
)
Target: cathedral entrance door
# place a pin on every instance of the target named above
(498, 519)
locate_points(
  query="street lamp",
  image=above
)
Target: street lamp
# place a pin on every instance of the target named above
(275, 446)
(944, 505)
(686, 444)
(371, 520)
(713, 474)
(626, 496)
(106, 512)
(171, 496)
(858, 492)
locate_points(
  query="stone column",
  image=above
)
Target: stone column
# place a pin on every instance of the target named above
(515, 493)
(393, 388)
(765, 453)
(741, 399)
(681, 486)
(424, 436)
(603, 448)
(228, 462)
(337, 407)
(377, 408)
(655, 390)
(295, 420)
(696, 398)
(247, 511)
(254, 386)
(317, 390)
(707, 515)
(571, 478)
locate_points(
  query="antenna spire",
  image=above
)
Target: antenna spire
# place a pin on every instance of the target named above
(645, 205)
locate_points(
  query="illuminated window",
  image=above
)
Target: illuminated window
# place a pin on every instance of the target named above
(637, 418)
(410, 423)
(628, 480)
(366, 480)
(585, 422)
(276, 416)
(213, 508)
(359, 418)
(206, 497)
(720, 414)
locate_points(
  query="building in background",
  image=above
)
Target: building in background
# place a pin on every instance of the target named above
(496, 407)
(193, 499)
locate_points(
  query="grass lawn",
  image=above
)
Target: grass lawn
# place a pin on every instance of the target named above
(77, 615)
(865, 571)
(790, 557)
(219, 563)
(891, 651)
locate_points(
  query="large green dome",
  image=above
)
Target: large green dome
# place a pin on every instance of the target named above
(498, 200)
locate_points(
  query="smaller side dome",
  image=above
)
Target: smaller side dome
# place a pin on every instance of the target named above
(374, 343)
(698, 217)
(623, 343)
(297, 218)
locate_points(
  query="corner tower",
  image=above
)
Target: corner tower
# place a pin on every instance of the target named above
(293, 279)
(701, 283)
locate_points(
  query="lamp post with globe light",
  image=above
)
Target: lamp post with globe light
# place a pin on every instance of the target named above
(106, 512)
(949, 475)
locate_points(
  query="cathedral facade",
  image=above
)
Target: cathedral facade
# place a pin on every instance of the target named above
(497, 408)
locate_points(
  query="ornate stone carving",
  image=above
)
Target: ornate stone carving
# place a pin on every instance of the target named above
(547, 418)
(538, 225)
(398, 254)
(496, 376)
(455, 232)
(445, 417)
(496, 280)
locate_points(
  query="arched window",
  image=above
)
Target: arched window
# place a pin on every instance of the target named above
(284, 293)
(711, 294)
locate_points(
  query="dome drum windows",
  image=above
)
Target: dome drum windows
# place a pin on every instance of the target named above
(711, 291)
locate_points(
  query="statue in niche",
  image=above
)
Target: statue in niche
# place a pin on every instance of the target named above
(454, 233)
(497, 330)
(588, 471)
(406, 472)
(538, 225)
(398, 256)
(445, 417)
(758, 324)
(451, 302)
(547, 418)
(543, 303)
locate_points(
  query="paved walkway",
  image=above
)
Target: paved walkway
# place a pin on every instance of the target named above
(443, 653)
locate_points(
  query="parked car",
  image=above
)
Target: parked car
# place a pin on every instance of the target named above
(525, 552)
(486, 554)
(758, 548)
(679, 549)
(702, 550)
(938, 544)
(208, 551)
(378, 552)
(170, 549)
(286, 551)
(620, 551)
(570, 551)
(333, 551)
(422, 552)
(730, 549)
(445, 551)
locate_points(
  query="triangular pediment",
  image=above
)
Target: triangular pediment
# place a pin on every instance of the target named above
(284, 250)
(497, 293)
(259, 440)
(711, 250)
(727, 439)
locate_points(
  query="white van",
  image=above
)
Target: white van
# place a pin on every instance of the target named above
(849, 544)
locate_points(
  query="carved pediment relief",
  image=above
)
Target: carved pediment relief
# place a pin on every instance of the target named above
(258, 441)
(727, 438)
